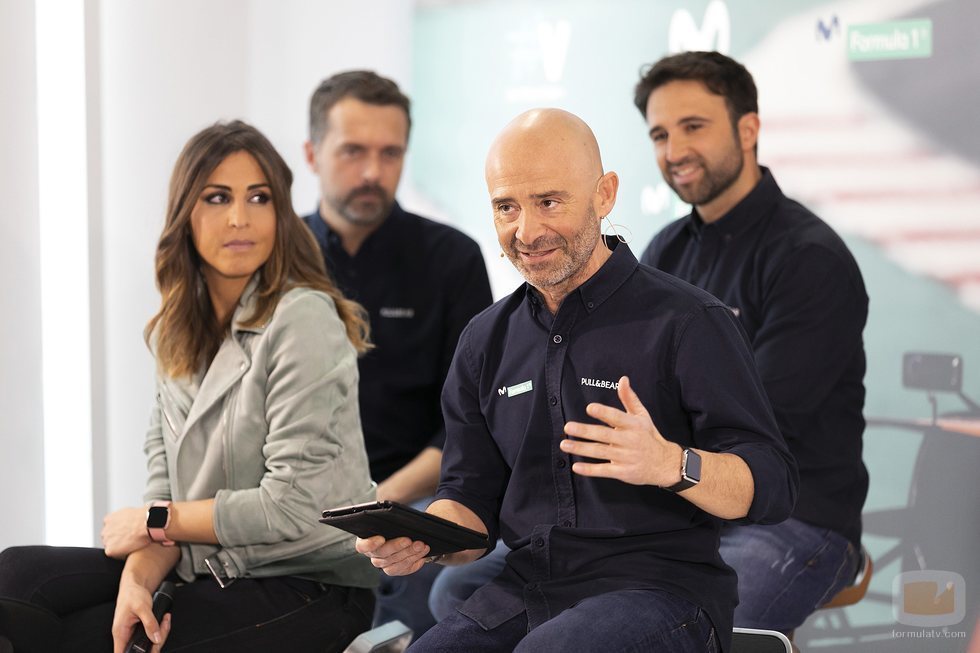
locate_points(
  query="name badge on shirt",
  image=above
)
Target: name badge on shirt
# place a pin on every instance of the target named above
(396, 312)
(514, 390)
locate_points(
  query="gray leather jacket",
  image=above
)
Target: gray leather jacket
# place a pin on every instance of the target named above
(272, 433)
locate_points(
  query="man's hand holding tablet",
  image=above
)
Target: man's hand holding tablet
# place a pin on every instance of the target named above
(400, 539)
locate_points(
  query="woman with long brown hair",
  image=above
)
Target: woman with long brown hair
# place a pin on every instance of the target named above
(254, 430)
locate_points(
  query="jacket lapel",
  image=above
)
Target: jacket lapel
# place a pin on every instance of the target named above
(228, 366)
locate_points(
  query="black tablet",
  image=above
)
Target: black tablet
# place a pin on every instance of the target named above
(390, 520)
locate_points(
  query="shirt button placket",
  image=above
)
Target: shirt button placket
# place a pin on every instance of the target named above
(534, 599)
(562, 475)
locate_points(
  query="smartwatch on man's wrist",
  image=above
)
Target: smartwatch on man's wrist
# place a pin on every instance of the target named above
(157, 520)
(690, 471)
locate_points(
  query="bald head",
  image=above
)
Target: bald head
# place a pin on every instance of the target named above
(542, 137)
(548, 193)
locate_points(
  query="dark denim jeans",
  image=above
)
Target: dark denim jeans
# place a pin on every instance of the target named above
(77, 588)
(455, 584)
(785, 571)
(628, 621)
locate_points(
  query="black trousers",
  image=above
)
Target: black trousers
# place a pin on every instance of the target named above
(62, 599)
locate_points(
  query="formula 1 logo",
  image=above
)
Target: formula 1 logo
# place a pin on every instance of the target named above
(715, 32)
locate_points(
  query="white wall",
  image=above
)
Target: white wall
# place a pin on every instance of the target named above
(21, 452)
(168, 69)
(159, 71)
(295, 44)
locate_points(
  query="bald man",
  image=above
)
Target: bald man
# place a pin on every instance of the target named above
(602, 420)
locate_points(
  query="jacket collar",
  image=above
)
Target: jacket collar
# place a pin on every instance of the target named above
(230, 363)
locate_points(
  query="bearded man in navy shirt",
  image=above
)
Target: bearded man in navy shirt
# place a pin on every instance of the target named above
(602, 420)
(419, 280)
(798, 293)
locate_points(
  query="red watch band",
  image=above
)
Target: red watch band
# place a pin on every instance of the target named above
(154, 527)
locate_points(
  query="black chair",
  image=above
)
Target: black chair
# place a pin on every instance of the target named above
(753, 640)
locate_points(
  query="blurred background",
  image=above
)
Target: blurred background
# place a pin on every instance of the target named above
(869, 117)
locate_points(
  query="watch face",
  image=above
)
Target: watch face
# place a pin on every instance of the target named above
(157, 517)
(692, 468)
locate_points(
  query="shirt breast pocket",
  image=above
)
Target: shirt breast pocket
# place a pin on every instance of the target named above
(511, 416)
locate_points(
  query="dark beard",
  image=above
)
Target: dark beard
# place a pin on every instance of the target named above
(345, 206)
(715, 181)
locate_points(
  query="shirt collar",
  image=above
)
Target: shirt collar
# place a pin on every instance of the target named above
(389, 233)
(744, 214)
(597, 288)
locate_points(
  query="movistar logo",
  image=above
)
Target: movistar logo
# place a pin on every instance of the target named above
(831, 28)
(514, 390)
(600, 383)
(715, 32)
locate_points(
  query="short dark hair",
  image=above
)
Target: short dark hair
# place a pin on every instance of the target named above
(364, 85)
(720, 74)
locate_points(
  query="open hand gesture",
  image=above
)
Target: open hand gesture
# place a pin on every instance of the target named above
(629, 442)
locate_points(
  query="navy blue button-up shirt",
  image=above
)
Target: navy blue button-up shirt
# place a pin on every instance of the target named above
(520, 373)
(421, 281)
(799, 296)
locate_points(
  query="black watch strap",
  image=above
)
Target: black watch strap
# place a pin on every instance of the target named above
(690, 471)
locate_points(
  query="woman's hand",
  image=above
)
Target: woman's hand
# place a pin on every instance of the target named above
(124, 531)
(134, 604)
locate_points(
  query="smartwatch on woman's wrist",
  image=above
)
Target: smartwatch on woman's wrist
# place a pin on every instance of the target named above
(157, 520)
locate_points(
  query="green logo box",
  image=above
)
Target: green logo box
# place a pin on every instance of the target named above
(900, 39)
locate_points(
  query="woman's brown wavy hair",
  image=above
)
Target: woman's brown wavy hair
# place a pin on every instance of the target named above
(185, 333)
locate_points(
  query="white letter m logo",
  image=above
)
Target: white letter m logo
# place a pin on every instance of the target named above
(715, 33)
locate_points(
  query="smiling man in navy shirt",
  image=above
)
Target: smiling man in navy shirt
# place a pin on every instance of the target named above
(602, 420)
(798, 293)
